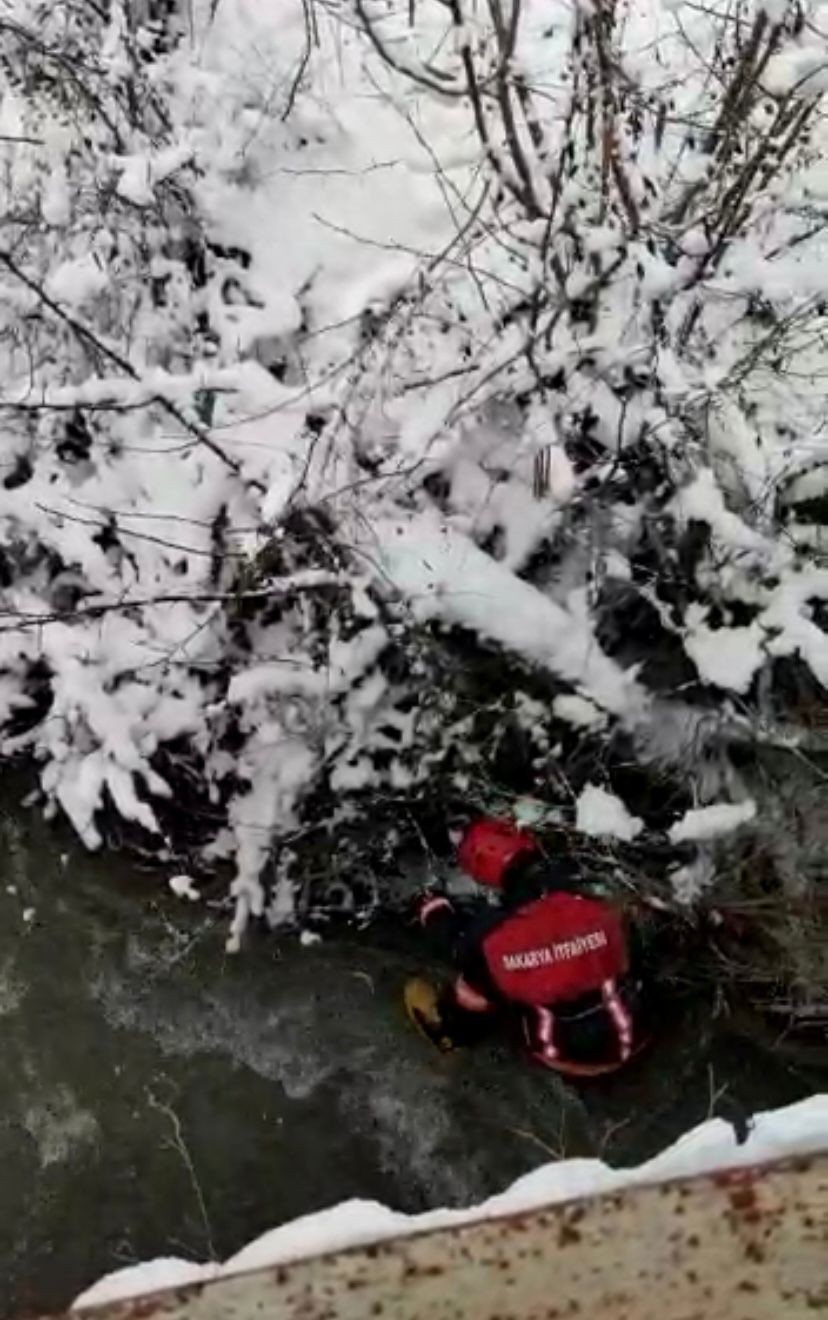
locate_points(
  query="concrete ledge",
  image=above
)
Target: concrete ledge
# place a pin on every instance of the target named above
(749, 1244)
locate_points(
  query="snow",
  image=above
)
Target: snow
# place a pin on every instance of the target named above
(149, 1276)
(801, 69)
(602, 815)
(183, 886)
(442, 574)
(142, 172)
(77, 282)
(510, 506)
(579, 712)
(809, 485)
(727, 657)
(703, 823)
(702, 500)
(796, 1130)
(694, 243)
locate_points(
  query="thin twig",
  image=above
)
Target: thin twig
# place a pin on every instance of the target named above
(179, 1144)
(715, 1093)
(309, 580)
(527, 1135)
(104, 524)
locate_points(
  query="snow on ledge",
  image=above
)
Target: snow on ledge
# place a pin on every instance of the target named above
(797, 1130)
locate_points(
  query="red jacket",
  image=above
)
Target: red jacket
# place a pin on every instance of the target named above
(558, 959)
(557, 949)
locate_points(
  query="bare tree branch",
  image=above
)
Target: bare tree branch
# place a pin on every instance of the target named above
(432, 83)
(309, 580)
(311, 40)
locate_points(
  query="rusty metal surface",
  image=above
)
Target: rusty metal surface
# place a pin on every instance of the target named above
(750, 1244)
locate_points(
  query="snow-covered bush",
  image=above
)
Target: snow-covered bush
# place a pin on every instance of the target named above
(411, 403)
(649, 298)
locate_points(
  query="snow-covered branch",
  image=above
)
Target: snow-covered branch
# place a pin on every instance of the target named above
(483, 359)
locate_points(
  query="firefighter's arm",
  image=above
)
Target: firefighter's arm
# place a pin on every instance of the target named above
(441, 922)
(431, 907)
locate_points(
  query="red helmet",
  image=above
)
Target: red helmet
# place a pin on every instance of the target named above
(489, 846)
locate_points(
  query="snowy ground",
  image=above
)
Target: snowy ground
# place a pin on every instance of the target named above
(797, 1130)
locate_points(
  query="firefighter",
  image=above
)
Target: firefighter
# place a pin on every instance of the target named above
(552, 961)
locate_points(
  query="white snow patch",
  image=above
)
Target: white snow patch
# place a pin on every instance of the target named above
(702, 501)
(604, 816)
(140, 173)
(711, 822)
(799, 1129)
(695, 243)
(727, 657)
(183, 886)
(579, 712)
(810, 485)
(800, 70)
(147, 1277)
(77, 282)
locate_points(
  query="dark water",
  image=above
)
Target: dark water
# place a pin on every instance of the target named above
(160, 1097)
